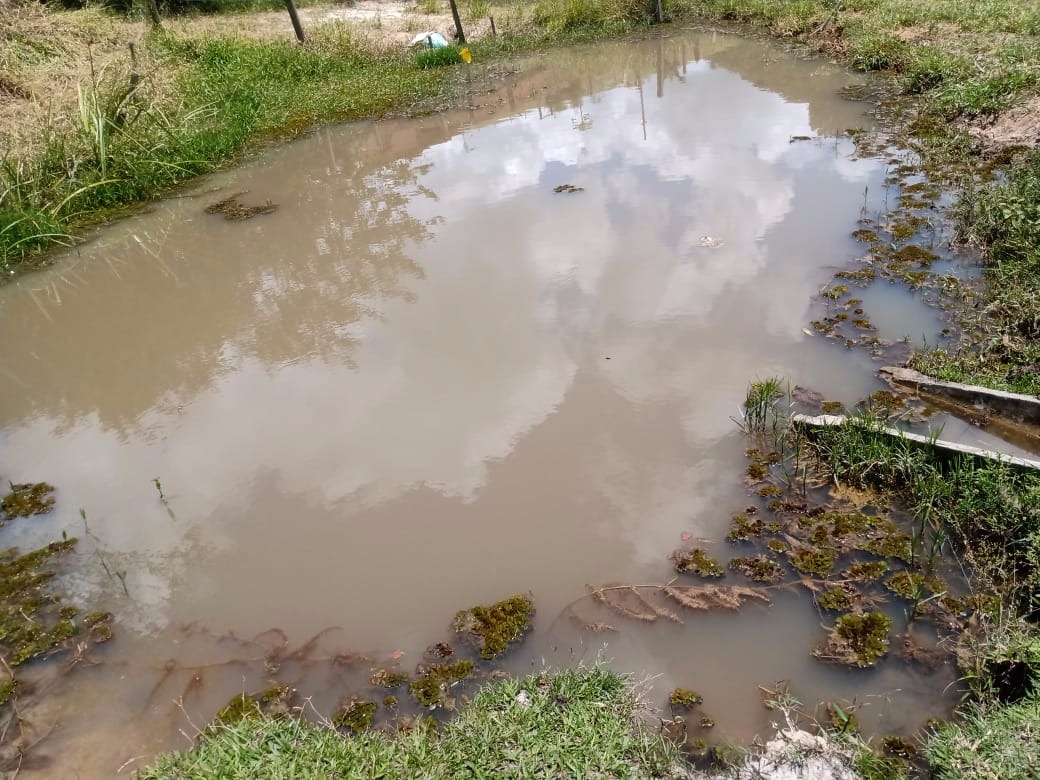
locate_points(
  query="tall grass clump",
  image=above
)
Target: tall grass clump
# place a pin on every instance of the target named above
(760, 405)
(438, 57)
(988, 742)
(1004, 220)
(559, 16)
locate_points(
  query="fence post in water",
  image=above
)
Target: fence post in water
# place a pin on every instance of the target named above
(494, 34)
(295, 18)
(458, 21)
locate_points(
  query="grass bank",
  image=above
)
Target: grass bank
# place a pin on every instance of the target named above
(133, 137)
(570, 724)
(196, 96)
(988, 516)
(972, 72)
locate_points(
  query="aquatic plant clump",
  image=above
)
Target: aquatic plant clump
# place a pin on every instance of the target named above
(430, 687)
(743, 528)
(495, 627)
(866, 571)
(234, 210)
(27, 500)
(696, 561)
(355, 716)
(891, 543)
(272, 702)
(857, 640)
(809, 560)
(839, 598)
(758, 569)
(388, 678)
(30, 626)
(907, 585)
(682, 698)
(7, 689)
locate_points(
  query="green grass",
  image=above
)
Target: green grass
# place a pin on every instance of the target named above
(568, 724)
(991, 515)
(126, 148)
(438, 57)
(1004, 218)
(994, 742)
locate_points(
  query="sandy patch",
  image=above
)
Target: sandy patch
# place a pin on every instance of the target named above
(1019, 126)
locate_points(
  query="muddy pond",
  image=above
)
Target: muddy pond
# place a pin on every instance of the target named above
(428, 380)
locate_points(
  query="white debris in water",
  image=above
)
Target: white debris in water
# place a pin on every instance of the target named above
(798, 755)
(793, 754)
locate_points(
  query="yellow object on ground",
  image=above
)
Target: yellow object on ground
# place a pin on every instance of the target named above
(466, 56)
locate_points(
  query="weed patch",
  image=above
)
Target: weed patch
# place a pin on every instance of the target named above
(572, 723)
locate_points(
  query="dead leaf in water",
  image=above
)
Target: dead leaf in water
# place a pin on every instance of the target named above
(627, 601)
(731, 597)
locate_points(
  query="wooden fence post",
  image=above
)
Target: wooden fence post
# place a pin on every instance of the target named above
(295, 18)
(458, 21)
(153, 13)
(494, 34)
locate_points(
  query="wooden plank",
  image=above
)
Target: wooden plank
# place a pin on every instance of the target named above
(1017, 406)
(950, 447)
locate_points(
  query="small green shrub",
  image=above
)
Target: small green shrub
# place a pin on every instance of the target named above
(477, 9)
(930, 68)
(877, 52)
(438, 57)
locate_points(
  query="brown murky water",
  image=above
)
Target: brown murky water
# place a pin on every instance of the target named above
(428, 381)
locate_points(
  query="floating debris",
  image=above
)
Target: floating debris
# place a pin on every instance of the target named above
(568, 188)
(440, 650)
(233, 209)
(626, 601)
